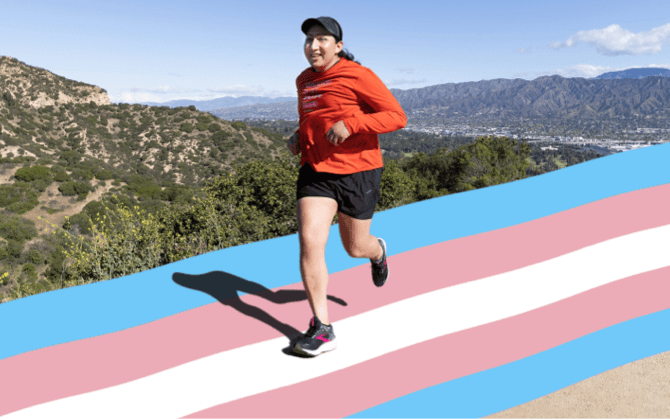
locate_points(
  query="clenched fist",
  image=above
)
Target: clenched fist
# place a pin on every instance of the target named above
(337, 133)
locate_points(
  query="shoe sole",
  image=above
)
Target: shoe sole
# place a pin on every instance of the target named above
(388, 275)
(329, 346)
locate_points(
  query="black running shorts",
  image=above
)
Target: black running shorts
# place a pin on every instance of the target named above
(356, 194)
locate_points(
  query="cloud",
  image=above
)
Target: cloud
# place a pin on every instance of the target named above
(162, 89)
(406, 71)
(134, 97)
(239, 90)
(397, 82)
(614, 40)
(584, 70)
(523, 50)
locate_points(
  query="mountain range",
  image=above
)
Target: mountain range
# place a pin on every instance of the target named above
(635, 73)
(611, 95)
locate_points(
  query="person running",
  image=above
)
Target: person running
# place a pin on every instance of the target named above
(342, 107)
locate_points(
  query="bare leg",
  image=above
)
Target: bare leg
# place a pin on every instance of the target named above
(315, 215)
(356, 238)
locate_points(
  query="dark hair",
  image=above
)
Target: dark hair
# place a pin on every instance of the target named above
(346, 54)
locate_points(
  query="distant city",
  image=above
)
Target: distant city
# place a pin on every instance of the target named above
(605, 145)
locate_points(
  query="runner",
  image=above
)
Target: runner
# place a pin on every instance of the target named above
(342, 106)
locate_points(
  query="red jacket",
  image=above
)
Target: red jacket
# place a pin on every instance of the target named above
(353, 94)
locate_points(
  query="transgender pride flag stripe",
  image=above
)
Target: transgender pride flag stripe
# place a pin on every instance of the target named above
(514, 282)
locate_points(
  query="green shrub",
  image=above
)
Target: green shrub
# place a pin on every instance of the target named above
(41, 184)
(205, 119)
(30, 272)
(186, 127)
(238, 125)
(71, 188)
(35, 257)
(61, 176)
(177, 194)
(104, 175)
(14, 248)
(153, 144)
(81, 174)
(67, 188)
(220, 137)
(16, 228)
(19, 197)
(81, 223)
(214, 127)
(31, 173)
(71, 157)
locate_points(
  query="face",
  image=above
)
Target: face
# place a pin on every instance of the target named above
(321, 49)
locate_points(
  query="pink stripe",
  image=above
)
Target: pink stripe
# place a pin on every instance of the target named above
(413, 368)
(99, 362)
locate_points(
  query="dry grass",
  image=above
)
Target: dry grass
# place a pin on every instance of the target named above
(69, 206)
(6, 173)
(15, 150)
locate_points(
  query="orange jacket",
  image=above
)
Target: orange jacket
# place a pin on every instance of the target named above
(353, 94)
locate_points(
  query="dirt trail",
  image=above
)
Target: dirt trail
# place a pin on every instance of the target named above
(69, 206)
(6, 173)
(639, 389)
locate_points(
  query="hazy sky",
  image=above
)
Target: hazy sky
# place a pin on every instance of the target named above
(163, 50)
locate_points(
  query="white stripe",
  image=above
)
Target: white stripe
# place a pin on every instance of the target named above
(260, 367)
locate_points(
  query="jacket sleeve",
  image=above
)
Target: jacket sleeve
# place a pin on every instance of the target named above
(388, 115)
(297, 87)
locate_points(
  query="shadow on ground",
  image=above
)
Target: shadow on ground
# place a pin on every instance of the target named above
(224, 287)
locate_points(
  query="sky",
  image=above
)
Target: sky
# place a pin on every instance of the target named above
(157, 51)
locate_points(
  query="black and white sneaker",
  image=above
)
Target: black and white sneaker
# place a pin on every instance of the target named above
(318, 339)
(380, 269)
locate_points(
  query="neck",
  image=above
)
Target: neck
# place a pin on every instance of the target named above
(330, 64)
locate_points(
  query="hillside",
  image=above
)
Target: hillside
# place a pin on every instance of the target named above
(44, 115)
(33, 87)
(64, 148)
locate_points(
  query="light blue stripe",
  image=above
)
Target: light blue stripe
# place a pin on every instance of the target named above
(516, 383)
(77, 313)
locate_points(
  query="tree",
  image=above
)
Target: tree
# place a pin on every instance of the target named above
(397, 188)
(266, 186)
(487, 161)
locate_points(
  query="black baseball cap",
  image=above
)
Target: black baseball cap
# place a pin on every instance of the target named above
(329, 23)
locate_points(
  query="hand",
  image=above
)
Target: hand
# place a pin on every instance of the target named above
(337, 133)
(293, 143)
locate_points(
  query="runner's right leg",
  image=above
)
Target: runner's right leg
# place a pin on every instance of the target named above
(315, 215)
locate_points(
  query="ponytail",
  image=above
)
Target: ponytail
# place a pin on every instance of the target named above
(346, 54)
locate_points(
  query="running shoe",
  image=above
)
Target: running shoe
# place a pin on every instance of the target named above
(380, 270)
(318, 339)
